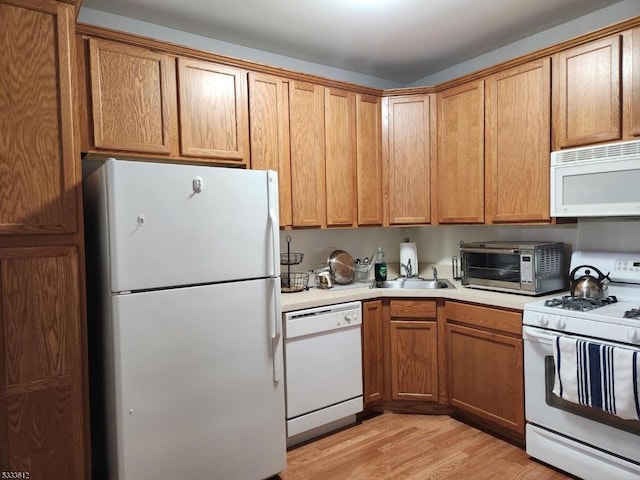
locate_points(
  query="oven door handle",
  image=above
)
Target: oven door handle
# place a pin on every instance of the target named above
(490, 250)
(530, 333)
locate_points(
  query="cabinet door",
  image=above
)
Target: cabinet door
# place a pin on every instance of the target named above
(41, 356)
(632, 82)
(306, 116)
(340, 157)
(369, 155)
(130, 91)
(408, 158)
(269, 132)
(460, 166)
(586, 89)
(39, 184)
(518, 103)
(485, 375)
(414, 360)
(372, 351)
(213, 111)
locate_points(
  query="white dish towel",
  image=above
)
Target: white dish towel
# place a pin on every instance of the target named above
(598, 376)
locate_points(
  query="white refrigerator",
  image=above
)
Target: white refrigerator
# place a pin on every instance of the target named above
(185, 333)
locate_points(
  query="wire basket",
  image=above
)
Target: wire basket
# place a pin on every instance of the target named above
(291, 258)
(294, 282)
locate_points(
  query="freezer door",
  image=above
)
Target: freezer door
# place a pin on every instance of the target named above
(194, 393)
(186, 225)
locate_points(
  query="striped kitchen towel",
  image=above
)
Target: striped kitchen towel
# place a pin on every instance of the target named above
(598, 376)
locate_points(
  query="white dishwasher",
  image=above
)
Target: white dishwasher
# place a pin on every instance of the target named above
(323, 369)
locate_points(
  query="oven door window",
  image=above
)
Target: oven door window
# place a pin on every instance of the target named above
(501, 267)
(554, 401)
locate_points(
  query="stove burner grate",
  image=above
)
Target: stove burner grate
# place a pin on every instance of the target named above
(633, 313)
(579, 304)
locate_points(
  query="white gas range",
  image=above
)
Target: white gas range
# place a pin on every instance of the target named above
(579, 436)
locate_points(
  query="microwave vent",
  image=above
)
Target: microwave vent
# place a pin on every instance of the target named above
(551, 261)
(611, 151)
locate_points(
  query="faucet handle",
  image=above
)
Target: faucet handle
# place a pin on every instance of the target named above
(435, 272)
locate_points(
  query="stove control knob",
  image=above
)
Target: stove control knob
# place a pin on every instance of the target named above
(544, 320)
(633, 335)
(560, 323)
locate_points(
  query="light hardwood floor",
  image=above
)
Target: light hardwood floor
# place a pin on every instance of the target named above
(413, 447)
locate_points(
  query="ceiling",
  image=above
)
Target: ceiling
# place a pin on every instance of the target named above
(398, 40)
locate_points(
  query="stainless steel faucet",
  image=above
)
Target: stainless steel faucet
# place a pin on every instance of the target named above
(408, 269)
(435, 273)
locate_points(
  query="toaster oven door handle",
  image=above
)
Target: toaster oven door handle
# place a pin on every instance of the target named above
(508, 251)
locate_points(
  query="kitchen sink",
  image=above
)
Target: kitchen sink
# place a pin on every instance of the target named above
(416, 283)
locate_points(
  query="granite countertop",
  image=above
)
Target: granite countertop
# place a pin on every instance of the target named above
(315, 297)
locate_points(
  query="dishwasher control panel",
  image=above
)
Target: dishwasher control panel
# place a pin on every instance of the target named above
(322, 319)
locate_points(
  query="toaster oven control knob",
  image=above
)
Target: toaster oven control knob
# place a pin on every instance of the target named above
(633, 335)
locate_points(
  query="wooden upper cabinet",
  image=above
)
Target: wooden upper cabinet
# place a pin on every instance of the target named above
(131, 91)
(517, 150)
(269, 133)
(213, 111)
(459, 170)
(407, 154)
(586, 93)
(340, 157)
(631, 96)
(306, 117)
(39, 179)
(369, 159)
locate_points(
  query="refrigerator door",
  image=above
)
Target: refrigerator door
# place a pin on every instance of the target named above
(194, 391)
(172, 225)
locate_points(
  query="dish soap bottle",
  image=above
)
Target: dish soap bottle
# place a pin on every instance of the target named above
(380, 266)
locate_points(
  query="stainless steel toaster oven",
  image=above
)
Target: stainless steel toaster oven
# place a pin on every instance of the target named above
(530, 268)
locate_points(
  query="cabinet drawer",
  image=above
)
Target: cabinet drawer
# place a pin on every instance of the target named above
(413, 309)
(503, 320)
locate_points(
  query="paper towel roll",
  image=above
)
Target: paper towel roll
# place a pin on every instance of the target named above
(409, 252)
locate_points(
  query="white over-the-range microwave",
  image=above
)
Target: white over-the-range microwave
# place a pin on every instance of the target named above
(596, 181)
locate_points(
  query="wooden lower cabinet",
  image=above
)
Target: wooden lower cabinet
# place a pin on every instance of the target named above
(485, 366)
(413, 350)
(42, 422)
(372, 352)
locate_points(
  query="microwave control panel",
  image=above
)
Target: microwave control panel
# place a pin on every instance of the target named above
(526, 268)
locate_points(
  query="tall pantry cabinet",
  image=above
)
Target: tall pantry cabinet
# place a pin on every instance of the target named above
(42, 350)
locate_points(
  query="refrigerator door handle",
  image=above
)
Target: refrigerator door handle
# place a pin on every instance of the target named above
(272, 188)
(276, 331)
